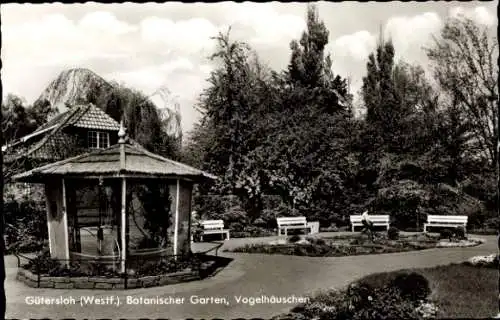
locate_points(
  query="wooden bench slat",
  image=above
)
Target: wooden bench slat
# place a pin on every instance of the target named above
(285, 223)
(445, 221)
(377, 220)
(214, 227)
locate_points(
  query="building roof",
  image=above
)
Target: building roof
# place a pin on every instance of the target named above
(106, 163)
(82, 116)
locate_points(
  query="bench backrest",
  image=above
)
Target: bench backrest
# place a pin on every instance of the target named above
(449, 219)
(212, 224)
(290, 221)
(372, 218)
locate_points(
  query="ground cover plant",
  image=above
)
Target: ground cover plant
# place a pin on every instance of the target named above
(44, 265)
(453, 291)
(355, 244)
(458, 290)
(401, 297)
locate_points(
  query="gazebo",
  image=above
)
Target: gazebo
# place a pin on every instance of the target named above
(117, 203)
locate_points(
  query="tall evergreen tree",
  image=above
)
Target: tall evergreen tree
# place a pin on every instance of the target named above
(310, 67)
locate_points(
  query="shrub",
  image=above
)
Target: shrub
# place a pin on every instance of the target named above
(316, 241)
(294, 238)
(413, 286)
(332, 228)
(393, 233)
(446, 233)
(25, 220)
(460, 232)
(211, 206)
(359, 301)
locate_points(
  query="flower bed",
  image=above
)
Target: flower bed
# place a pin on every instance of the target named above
(340, 246)
(349, 245)
(490, 261)
(403, 297)
(459, 291)
(86, 282)
(44, 272)
(472, 242)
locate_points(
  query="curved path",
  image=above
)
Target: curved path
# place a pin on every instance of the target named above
(249, 275)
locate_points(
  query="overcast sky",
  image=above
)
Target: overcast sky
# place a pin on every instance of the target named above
(151, 45)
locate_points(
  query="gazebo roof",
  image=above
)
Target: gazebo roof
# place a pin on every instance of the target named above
(137, 162)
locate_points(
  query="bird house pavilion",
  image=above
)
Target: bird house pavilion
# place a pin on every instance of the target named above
(116, 204)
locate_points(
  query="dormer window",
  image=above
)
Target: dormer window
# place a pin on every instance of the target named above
(98, 140)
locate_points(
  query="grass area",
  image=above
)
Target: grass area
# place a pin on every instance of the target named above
(459, 290)
(453, 291)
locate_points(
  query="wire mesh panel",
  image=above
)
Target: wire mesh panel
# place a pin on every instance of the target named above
(149, 220)
(94, 227)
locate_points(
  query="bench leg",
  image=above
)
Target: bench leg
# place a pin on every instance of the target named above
(425, 228)
(352, 228)
(227, 233)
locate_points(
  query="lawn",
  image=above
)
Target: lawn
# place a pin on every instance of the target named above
(459, 290)
(452, 291)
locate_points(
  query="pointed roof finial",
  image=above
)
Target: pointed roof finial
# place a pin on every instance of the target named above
(122, 133)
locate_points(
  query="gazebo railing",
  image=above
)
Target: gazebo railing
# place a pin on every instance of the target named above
(138, 265)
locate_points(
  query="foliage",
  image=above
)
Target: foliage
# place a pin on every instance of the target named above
(20, 119)
(446, 233)
(43, 264)
(402, 201)
(414, 142)
(455, 298)
(412, 286)
(360, 301)
(459, 233)
(26, 223)
(289, 161)
(464, 63)
(393, 233)
(155, 200)
(333, 248)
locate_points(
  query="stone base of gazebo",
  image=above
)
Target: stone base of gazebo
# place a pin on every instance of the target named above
(43, 281)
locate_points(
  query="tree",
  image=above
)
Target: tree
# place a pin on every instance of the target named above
(383, 104)
(225, 107)
(142, 118)
(20, 120)
(464, 61)
(310, 67)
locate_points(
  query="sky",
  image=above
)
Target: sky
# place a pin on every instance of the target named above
(148, 46)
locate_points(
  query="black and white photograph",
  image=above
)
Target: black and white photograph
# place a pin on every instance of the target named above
(247, 160)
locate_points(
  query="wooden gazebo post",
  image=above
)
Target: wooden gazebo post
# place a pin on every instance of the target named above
(176, 219)
(122, 141)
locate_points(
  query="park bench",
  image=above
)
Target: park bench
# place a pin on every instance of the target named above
(445, 221)
(377, 220)
(213, 227)
(286, 223)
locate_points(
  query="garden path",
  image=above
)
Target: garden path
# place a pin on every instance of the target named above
(247, 275)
